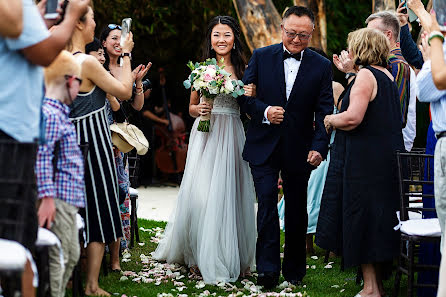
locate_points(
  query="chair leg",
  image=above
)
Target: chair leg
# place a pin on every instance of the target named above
(75, 279)
(104, 264)
(42, 263)
(132, 221)
(410, 277)
(135, 218)
(397, 283)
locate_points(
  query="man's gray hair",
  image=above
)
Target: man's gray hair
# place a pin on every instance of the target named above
(389, 22)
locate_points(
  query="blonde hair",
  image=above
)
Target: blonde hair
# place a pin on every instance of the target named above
(368, 47)
(64, 64)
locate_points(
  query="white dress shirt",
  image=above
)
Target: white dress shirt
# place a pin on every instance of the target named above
(410, 131)
(291, 68)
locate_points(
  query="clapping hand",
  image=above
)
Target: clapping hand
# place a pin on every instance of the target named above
(344, 62)
(139, 72)
(276, 114)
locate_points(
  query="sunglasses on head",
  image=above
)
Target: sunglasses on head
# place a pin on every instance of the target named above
(71, 78)
(114, 26)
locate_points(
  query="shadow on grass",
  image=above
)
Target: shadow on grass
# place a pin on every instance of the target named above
(319, 281)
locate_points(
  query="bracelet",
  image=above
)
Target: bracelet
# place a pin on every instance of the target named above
(435, 34)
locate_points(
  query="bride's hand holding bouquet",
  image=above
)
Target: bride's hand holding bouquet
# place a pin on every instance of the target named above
(210, 80)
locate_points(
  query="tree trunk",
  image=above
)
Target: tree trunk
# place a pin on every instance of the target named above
(260, 22)
(319, 39)
(380, 5)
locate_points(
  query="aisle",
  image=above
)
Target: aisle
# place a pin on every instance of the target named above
(156, 203)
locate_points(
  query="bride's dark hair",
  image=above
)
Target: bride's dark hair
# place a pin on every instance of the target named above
(238, 59)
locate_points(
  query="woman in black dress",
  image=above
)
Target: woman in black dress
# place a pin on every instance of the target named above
(361, 192)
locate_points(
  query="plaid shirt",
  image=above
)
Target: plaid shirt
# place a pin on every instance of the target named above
(68, 183)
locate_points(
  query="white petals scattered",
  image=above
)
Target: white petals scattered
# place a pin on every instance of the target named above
(123, 278)
(141, 243)
(313, 266)
(200, 285)
(314, 257)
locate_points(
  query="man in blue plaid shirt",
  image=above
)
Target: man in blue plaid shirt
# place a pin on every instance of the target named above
(60, 169)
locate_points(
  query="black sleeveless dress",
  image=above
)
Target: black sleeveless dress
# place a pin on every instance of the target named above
(361, 196)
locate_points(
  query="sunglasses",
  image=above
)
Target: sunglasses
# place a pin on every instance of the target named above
(71, 78)
(114, 26)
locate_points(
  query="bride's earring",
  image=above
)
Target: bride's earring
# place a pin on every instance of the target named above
(233, 46)
(212, 48)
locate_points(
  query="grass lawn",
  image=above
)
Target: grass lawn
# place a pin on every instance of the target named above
(146, 277)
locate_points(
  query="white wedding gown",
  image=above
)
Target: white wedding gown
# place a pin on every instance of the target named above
(213, 224)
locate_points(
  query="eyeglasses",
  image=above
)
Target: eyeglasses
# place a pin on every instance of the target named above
(70, 79)
(114, 26)
(292, 35)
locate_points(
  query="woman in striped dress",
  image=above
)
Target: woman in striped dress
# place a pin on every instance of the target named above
(103, 222)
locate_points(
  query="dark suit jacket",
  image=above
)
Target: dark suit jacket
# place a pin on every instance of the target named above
(311, 99)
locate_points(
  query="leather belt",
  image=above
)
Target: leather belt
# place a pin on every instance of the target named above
(441, 134)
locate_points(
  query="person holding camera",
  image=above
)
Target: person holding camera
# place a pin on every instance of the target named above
(88, 114)
(111, 42)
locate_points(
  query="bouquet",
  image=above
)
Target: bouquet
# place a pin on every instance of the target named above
(209, 80)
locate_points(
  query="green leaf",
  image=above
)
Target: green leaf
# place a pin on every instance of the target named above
(241, 92)
(191, 65)
(197, 65)
(214, 61)
(241, 83)
(234, 94)
(213, 83)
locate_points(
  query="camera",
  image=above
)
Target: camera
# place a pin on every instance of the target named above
(63, 7)
(146, 85)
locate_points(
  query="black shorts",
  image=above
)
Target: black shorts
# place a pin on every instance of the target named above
(18, 191)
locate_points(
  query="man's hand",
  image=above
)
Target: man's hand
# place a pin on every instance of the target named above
(403, 17)
(46, 212)
(344, 62)
(275, 114)
(314, 158)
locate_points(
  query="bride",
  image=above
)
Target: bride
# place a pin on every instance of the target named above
(212, 229)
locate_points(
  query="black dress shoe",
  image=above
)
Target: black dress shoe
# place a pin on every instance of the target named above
(268, 280)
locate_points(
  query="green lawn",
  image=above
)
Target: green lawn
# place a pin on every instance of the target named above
(319, 281)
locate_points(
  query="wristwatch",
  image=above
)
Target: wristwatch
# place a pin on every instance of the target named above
(349, 74)
(127, 55)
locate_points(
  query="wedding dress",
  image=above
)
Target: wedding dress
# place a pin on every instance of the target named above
(213, 224)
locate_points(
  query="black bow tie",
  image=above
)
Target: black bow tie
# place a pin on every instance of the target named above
(287, 55)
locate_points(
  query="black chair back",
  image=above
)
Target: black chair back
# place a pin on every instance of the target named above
(17, 186)
(414, 172)
(134, 161)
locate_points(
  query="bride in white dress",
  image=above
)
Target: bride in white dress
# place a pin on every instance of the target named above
(213, 224)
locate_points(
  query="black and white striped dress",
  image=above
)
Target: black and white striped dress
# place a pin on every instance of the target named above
(101, 214)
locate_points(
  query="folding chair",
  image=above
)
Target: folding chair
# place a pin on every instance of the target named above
(413, 173)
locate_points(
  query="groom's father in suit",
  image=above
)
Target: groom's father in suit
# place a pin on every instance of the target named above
(294, 90)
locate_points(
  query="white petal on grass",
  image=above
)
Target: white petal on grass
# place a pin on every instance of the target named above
(314, 257)
(328, 266)
(123, 278)
(313, 266)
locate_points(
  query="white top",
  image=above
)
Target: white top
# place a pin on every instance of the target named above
(291, 68)
(410, 131)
